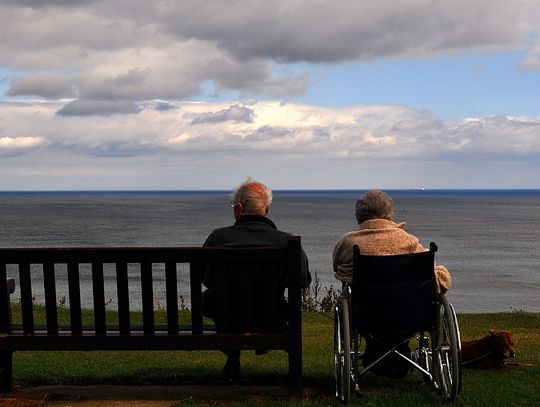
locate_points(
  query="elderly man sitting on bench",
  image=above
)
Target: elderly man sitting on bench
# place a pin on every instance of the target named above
(252, 228)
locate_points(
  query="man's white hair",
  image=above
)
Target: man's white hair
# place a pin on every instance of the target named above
(255, 197)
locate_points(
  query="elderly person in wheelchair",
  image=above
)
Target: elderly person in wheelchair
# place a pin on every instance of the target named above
(392, 290)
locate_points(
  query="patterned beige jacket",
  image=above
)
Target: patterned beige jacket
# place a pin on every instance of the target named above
(380, 237)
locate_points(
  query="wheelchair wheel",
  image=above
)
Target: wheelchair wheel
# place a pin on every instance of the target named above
(446, 353)
(342, 352)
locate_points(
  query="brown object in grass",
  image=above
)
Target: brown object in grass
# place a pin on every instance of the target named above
(488, 352)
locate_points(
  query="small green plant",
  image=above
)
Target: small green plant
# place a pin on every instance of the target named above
(317, 298)
(62, 302)
(183, 306)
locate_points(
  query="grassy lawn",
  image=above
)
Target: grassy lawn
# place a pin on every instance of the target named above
(518, 385)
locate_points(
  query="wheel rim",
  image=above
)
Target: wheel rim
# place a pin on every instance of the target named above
(342, 353)
(446, 361)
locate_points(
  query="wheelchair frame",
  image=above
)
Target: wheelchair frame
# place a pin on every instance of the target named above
(438, 357)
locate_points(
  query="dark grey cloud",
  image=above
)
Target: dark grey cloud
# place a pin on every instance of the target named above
(135, 49)
(44, 85)
(335, 31)
(81, 107)
(46, 3)
(235, 113)
(266, 133)
(162, 106)
(321, 134)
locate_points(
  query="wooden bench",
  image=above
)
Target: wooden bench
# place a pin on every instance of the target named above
(75, 336)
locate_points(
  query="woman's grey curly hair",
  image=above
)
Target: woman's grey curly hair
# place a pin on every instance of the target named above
(374, 204)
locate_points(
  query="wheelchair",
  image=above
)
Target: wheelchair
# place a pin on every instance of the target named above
(391, 303)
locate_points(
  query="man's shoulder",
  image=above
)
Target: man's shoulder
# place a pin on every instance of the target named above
(216, 237)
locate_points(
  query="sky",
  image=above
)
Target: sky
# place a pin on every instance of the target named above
(320, 94)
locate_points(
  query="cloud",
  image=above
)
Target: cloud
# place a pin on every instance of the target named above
(17, 146)
(289, 142)
(140, 50)
(47, 3)
(336, 31)
(269, 133)
(98, 108)
(20, 142)
(375, 132)
(532, 59)
(234, 113)
(44, 84)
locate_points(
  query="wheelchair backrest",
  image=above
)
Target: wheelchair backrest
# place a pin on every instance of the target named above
(393, 294)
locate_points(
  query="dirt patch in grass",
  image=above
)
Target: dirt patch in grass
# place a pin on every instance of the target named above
(134, 396)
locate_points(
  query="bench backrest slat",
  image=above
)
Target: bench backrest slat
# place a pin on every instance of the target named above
(295, 313)
(51, 312)
(27, 309)
(171, 289)
(195, 277)
(100, 324)
(269, 299)
(147, 292)
(74, 289)
(4, 300)
(122, 289)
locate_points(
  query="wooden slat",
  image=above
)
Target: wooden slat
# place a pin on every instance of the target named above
(98, 290)
(246, 297)
(140, 255)
(171, 289)
(27, 308)
(122, 288)
(144, 342)
(51, 313)
(222, 298)
(270, 299)
(147, 292)
(4, 300)
(74, 287)
(112, 329)
(195, 279)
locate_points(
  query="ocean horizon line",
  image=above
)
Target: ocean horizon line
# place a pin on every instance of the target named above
(278, 191)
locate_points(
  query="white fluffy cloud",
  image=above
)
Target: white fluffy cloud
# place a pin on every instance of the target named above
(164, 145)
(376, 132)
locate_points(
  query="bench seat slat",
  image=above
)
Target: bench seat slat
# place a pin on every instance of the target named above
(140, 341)
(17, 329)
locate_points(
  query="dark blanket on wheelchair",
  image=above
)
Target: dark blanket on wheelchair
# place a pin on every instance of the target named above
(392, 366)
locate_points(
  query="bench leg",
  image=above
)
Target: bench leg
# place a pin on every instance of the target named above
(295, 373)
(6, 371)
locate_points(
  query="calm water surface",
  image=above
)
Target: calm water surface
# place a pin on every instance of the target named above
(489, 240)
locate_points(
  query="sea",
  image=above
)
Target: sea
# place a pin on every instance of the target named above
(488, 239)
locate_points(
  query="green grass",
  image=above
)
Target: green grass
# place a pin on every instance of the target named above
(518, 385)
